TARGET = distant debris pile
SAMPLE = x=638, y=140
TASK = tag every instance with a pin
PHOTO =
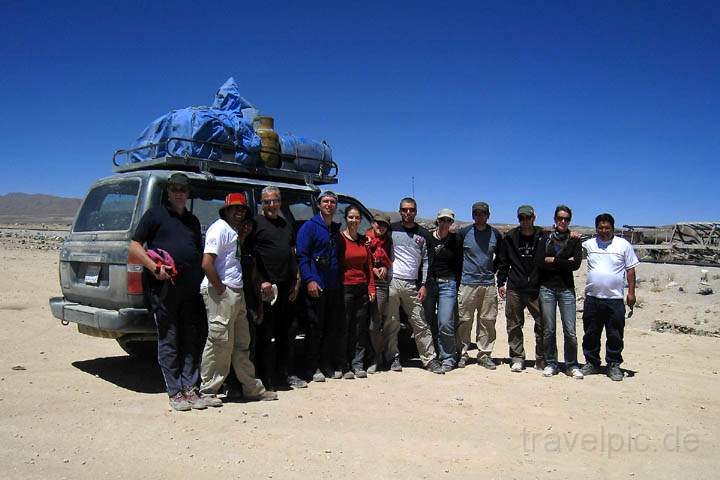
x=690, y=243
x=18, y=237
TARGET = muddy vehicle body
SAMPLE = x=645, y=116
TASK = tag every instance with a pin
x=101, y=282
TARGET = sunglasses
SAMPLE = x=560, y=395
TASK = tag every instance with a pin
x=408, y=209
x=445, y=219
x=178, y=189
x=562, y=219
x=524, y=217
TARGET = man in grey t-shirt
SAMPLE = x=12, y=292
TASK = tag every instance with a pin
x=480, y=244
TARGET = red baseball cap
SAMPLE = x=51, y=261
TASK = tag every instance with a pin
x=234, y=199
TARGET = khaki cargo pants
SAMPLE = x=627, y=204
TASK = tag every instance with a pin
x=405, y=293
x=483, y=301
x=228, y=342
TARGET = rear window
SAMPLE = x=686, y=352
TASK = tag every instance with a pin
x=108, y=207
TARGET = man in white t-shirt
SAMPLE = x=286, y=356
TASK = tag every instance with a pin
x=228, y=340
x=610, y=260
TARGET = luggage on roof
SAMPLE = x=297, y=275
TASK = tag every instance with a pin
x=223, y=138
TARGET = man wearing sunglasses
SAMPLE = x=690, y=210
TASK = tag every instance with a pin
x=518, y=268
x=176, y=306
x=408, y=288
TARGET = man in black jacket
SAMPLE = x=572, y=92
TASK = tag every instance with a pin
x=518, y=267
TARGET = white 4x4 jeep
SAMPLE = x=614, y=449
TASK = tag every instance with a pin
x=102, y=284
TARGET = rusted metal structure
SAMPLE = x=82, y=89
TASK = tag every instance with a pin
x=692, y=243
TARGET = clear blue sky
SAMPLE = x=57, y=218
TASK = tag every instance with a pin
x=606, y=106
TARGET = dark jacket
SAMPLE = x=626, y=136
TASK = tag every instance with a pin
x=559, y=274
x=512, y=269
x=317, y=252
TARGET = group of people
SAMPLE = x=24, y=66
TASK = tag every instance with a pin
x=351, y=286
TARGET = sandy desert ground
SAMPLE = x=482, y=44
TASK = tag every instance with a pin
x=77, y=407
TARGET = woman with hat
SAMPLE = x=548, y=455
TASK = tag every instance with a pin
x=442, y=286
x=379, y=244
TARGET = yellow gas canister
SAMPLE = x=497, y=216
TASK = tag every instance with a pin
x=269, y=141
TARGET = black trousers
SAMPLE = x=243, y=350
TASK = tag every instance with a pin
x=326, y=327
x=274, y=347
x=357, y=338
x=179, y=315
x=607, y=313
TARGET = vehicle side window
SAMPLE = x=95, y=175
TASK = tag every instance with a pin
x=297, y=207
x=340, y=215
x=108, y=207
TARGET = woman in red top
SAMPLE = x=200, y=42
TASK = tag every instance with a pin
x=359, y=287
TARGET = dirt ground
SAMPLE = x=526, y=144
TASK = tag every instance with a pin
x=77, y=407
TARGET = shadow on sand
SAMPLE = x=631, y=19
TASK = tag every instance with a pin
x=142, y=376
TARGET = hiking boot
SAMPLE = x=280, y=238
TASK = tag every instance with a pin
x=516, y=367
x=590, y=369
x=576, y=373
x=446, y=367
x=463, y=361
x=435, y=367
x=614, y=372
x=179, y=403
x=266, y=396
x=360, y=373
x=396, y=366
x=296, y=382
x=192, y=397
x=348, y=375
x=318, y=376
x=540, y=364
x=549, y=371
x=337, y=375
x=210, y=400
x=486, y=362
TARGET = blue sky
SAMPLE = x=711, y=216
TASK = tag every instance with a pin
x=604, y=106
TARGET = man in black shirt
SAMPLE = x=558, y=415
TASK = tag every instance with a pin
x=518, y=268
x=174, y=302
x=273, y=245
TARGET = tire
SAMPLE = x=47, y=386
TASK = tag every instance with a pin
x=140, y=349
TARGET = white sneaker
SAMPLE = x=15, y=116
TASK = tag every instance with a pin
x=549, y=371
x=576, y=373
x=516, y=367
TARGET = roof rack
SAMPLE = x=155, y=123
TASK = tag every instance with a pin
x=122, y=162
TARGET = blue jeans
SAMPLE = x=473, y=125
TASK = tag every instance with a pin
x=442, y=298
x=550, y=300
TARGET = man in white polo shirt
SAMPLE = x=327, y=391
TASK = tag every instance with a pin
x=610, y=260
x=228, y=340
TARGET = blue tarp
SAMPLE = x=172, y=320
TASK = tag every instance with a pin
x=223, y=123
x=306, y=153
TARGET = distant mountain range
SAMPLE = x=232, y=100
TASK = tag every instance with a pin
x=16, y=206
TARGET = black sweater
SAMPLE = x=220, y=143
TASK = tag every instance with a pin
x=559, y=273
x=512, y=269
